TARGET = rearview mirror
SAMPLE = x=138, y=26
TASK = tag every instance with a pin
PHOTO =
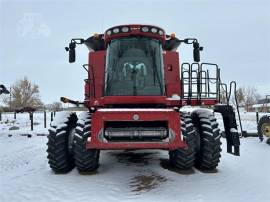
x=71, y=52
x=196, y=51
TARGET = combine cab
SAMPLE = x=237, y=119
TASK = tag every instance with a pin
x=134, y=93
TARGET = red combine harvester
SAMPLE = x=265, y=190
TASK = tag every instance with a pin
x=134, y=93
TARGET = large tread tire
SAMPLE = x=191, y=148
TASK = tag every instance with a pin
x=184, y=158
x=209, y=151
x=263, y=127
x=86, y=160
x=60, y=158
x=268, y=141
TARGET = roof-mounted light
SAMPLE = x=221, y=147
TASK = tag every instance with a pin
x=154, y=30
x=116, y=30
x=145, y=29
x=160, y=32
x=125, y=29
x=109, y=32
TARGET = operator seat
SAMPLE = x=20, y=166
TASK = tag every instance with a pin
x=132, y=60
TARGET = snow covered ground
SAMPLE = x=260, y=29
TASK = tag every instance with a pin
x=23, y=123
x=144, y=175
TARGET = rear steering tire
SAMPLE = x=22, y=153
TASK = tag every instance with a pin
x=209, y=152
x=86, y=160
x=184, y=158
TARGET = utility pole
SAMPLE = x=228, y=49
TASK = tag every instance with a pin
x=10, y=99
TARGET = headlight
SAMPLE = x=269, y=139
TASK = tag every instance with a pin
x=160, y=32
x=116, y=30
x=124, y=29
x=109, y=32
x=154, y=30
x=145, y=29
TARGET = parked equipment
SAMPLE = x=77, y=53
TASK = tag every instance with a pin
x=264, y=123
x=134, y=96
x=264, y=128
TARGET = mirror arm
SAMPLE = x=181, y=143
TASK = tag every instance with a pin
x=189, y=40
x=77, y=41
x=196, y=47
x=71, y=48
x=73, y=42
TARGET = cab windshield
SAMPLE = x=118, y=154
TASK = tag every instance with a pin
x=134, y=66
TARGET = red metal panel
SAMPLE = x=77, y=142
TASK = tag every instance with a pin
x=96, y=70
x=108, y=100
x=86, y=91
x=171, y=71
x=99, y=117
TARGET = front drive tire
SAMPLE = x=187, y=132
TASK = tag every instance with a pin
x=86, y=160
x=209, y=151
x=184, y=158
x=59, y=155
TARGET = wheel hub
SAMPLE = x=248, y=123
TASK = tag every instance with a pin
x=266, y=129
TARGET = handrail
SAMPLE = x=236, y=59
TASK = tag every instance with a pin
x=89, y=76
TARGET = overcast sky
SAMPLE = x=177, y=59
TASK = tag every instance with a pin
x=33, y=33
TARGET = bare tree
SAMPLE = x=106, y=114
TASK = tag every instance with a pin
x=240, y=93
x=240, y=96
x=24, y=94
x=246, y=97
x=223, y=96
x=251, y=97
x=55, y=106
